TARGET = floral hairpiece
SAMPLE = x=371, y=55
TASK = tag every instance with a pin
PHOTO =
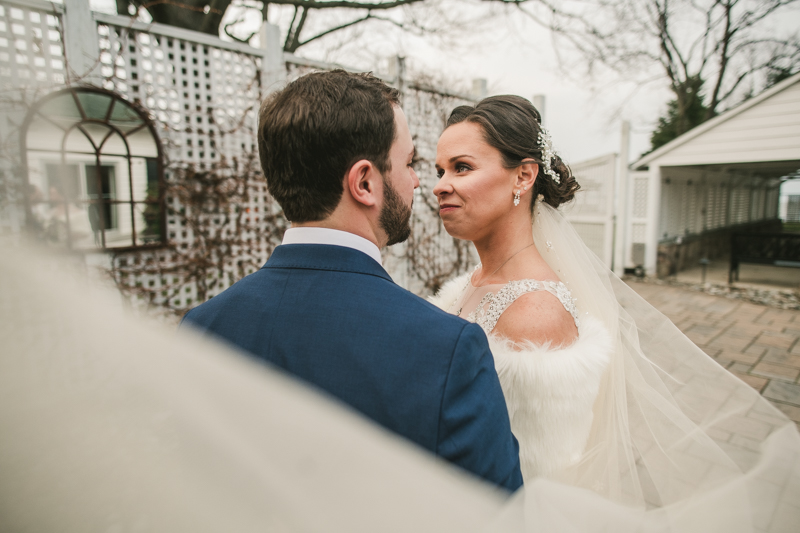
x=546, y=144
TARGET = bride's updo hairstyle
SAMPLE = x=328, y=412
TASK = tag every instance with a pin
x=512, y=125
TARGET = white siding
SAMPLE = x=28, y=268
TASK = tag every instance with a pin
x=767, y=131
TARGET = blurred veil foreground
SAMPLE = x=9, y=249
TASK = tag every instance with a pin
x=113, y=423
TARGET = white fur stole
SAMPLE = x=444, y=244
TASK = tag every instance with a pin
x=549, y=392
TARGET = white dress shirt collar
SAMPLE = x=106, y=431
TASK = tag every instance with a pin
x=336, y=237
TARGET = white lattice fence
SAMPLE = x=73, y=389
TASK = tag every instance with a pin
x=436, y=255
x=31, y=48
x=637, y=224
x=592, y=211
x=32, y=63
x=440, y=257
x=203, y=95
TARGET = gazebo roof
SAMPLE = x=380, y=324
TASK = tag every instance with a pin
x=765, y=128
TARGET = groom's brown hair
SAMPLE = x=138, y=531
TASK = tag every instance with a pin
x=315, y=129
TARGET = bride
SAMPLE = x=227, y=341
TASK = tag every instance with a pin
x=603, y=391
x=489, y=183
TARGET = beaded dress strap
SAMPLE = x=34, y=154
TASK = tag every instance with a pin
x=487, y=318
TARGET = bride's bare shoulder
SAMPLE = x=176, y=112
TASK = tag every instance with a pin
x=537, y=317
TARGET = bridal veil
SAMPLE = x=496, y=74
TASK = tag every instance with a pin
x=109, y=423
x=674, y=434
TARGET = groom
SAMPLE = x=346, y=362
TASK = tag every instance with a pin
x=337, y=154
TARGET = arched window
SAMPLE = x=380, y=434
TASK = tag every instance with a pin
x=95, y=172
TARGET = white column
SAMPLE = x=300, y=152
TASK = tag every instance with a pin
x=653, y=220
x=273, y=68
x=479, y=88
x=80, y=42
x=622, y=216
x=539, y=103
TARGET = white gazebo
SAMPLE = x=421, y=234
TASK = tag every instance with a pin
x=685, y=199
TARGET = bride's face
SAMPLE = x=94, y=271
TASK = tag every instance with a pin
x=475, y=192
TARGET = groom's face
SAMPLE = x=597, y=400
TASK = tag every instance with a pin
x=399, y=184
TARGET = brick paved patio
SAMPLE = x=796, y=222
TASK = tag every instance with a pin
x=759, y=344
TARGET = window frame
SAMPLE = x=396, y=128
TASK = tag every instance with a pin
x=98, y=162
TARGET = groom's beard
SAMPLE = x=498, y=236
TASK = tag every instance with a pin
x=395, y=216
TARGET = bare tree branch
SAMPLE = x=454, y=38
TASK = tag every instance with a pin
x=243, y=40
x=726, y=44
x=332, y=30
x=315, y=4
x=723, y=62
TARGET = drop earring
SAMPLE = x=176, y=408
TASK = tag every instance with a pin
x=516, y=198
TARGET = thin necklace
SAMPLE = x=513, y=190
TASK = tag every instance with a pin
x=467, y=297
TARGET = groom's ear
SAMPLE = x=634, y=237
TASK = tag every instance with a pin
x=361, y=182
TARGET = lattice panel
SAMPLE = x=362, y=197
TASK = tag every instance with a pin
x=773, y=197
x=638, y=232
x=427, y=114
x=640, y=197
x=205, y=98
x=793, y=208
x=593, y=236
x=711, y=201
x=596, y=182
x=721, y=206
x=690, y=217
x=757, y=204
x=738, y=206
x=31, y=48
x=670, y=208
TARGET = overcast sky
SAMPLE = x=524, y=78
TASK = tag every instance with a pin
x=515, y=56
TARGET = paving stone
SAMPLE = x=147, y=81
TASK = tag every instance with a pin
x=756, y=382
x=735, y=332
x=744, y=330
x=782, y=391
x=771, y=370
x=740, y=368
x=729, y=343
x=698, y=338
x=711, y=352
x=738, y=357
x=755, y=350
x=758, y=343
x=776, y=340
x=745, y=427
x=792, y=411
x=703, y=329
x=782, y=358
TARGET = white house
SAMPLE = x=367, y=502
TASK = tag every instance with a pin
x=722, y=176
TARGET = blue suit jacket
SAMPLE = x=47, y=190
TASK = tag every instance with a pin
x=332, y=316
